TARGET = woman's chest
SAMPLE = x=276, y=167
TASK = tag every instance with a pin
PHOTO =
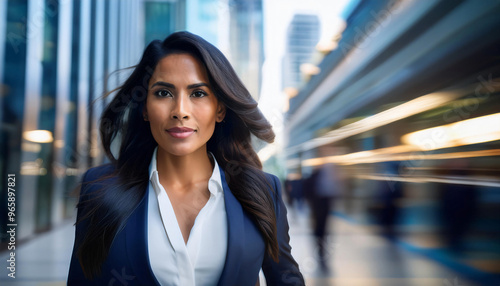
x=187, y=208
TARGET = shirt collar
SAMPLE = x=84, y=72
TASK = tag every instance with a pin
x=214, y=183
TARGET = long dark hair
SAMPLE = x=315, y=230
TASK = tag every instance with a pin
x=122, y=120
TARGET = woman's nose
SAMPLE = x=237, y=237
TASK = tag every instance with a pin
x=181, y=108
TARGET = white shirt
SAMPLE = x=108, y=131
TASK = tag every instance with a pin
x=201, y=260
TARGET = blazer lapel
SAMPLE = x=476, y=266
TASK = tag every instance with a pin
x=137, y=239
x=236, y=233
x=137, y=242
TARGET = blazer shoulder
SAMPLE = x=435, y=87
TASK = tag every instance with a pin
x=275, y=190
x=96, y=178
x=95, y=173
x=275, y=183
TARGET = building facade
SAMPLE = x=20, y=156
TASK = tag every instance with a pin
x=407, y=106
x=58, y=59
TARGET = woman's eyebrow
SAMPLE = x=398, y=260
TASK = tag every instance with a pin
x=196, y=85
x=162, y=83
x=169, y=85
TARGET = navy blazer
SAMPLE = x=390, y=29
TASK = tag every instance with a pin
x=128, y=261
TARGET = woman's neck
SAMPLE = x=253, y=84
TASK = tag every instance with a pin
x=183, y=172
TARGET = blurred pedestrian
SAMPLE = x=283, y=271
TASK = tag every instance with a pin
x=295, y=193
x=323, y=186
x=457, y=205
x=389, y=192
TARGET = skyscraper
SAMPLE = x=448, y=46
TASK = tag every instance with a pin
x=302, y=36
x=247, y=42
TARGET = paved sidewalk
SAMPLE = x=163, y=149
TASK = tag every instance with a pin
x=357, y=257
x=42, y=261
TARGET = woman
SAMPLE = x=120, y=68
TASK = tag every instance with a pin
x=185, y=202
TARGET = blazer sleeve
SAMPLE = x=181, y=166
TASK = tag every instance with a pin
x=75, y=275
x=286, y=271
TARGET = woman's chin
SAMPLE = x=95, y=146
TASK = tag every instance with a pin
x=181, y=151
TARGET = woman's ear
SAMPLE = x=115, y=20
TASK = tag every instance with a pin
x=221, y=112
x=145, y=114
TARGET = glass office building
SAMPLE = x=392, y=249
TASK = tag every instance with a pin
x=247, y=42
x=58, y=59
x=406, y=112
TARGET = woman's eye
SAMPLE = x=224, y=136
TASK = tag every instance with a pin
x=199, y=93
x=163, y=93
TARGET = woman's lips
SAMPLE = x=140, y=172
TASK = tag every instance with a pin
x=180, y=132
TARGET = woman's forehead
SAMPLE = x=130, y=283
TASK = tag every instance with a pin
x=180, y=66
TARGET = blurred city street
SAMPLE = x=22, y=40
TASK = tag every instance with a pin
x=357, y=256
x=385, y=117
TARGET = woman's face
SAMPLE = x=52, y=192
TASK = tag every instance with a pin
x=181, y=108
